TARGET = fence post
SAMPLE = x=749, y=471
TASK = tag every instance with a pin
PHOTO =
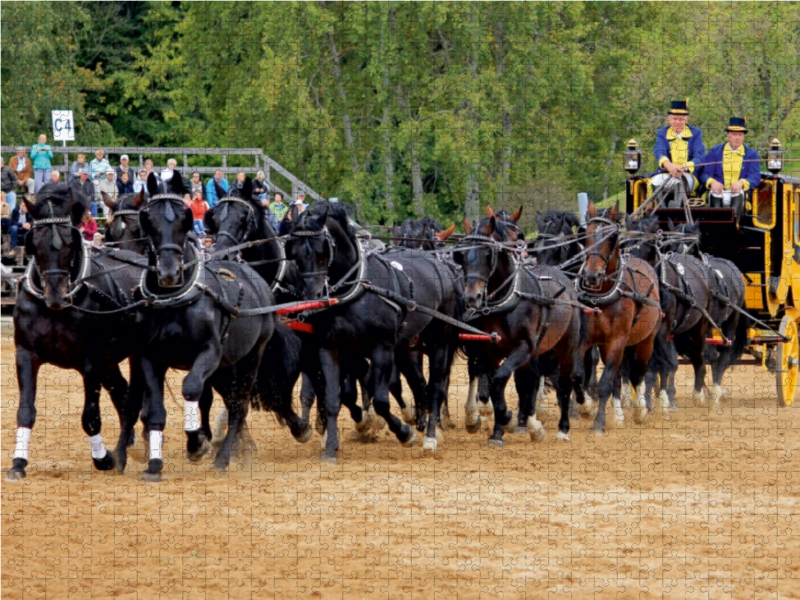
x=185, y=162
x=141, y=161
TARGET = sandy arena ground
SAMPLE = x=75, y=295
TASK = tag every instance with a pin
x=702, y=503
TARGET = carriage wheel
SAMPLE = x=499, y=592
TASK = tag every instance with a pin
x=787, y=362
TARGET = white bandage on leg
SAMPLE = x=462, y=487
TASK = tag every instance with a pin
x=191, y=416
x=156, y=439
x=23, y=441
x=96, y=444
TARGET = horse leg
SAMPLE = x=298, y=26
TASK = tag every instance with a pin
x=355, y=372
x=697, y=358
x=153, y=375
x=527, y=380
x=472, y=417
x=331, y=371
x=396, y=390
x=412, y=371
x=612, y=358
x=28, y=364
x=117, y=388
x=382, y=364
x=639, y=360
x=484, y=396
x=90, y=418
x=582, y=382
x=502, y=417
x=204, y=365
x=436, y=392
x=136, y=406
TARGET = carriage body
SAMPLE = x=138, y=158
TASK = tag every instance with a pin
x=765, y=245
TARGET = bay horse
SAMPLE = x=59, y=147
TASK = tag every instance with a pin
x=382, y=314
x=59, y=320
x=193, y=322
x=726, y=284
x=625, y=292
x=531, y=310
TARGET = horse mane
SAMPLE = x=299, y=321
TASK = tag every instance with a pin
x=126, y=202
x=335, y=209
x=503, y=228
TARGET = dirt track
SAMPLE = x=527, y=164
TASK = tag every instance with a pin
x=699, y=503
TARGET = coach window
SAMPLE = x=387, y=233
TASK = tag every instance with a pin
x=764, y=205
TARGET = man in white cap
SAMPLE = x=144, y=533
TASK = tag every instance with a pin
x=124, y=167
x=107, y=185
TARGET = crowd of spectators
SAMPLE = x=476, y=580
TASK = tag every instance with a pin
x=28, y=174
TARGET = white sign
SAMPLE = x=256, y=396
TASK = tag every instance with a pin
x=63, y=126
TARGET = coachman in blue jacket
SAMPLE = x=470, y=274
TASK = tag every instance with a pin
x=678, y=147
x=733, y=172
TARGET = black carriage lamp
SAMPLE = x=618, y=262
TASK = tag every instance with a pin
x=775, y=157
x=632, y=159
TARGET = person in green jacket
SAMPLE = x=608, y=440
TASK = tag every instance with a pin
x=41, y=153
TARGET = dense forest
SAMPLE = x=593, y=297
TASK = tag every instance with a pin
x=406, y=108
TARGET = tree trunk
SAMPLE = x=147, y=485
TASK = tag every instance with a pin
x=337, y=76
x=609, y=163
x=472, y=204
x=388, y=165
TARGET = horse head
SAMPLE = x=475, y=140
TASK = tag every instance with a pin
x=167, y=222
x=645, y=247
x=236, y=218
x=55, y=241
x=602, y=245
x=123, y=225
x=482, y=259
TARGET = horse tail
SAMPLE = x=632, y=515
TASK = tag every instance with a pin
x=663, y=358
x=279, y=370
x=740, y=337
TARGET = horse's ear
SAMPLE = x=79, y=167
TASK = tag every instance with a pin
x=30, y=249
x=188, y=220
x=221, y=193
x=491, y=226
x=138, y=200
x=516, y=215
x=152, y=184
x=468, y=228
x=591, y=212
x=210, y=222
x=145, y=223
x=489, y=211
x=443, y=235
x=108, y=201
x=29, y=205
x=613, y=214
x=295, y=214
x=247, y=188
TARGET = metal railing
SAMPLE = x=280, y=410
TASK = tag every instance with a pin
x=262, y=162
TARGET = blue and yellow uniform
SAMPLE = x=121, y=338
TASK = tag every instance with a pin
x=686, y=148
x=728, y=166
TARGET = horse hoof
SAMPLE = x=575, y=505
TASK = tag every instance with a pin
x=672, y=408
x=430, y=443
x=619, y=417
x=120, y=461
x=366, y=421
x=328, y=460
x=15, y=474
x=151, y=477
x=486, y=408
x=717, y=394
x=537, y=435
x=521, y=429
x=664, y=397
x=641, y=415
x=535, y=429
x=510, y=427
x=494, y=443
x=305, y=436
x=699, y=398
x=378, y=422
x=586, y=409
x=562, y=436
x=104, y=464
x=198, y=454
x=409, y=414
x=599, y=433
x=473, y=424
x=412, y=439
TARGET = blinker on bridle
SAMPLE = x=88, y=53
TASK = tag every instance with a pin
x=170, y=215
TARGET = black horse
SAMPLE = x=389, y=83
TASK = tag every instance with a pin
x=194, y=322
x=686, y=300
x=58, y=317
x=122, y=228
x=530, y=308
x=381, y=316
x=726, y=284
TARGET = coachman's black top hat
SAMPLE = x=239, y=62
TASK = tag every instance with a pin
x=679, y=107
x=737, y=124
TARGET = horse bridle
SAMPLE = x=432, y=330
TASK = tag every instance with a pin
x=605, y=259
x=250, y=220
x=170, y=216
x=328, y=240
x=58, y=243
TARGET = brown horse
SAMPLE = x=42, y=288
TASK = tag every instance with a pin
x=625, y=292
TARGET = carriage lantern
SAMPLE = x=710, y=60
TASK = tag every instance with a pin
x=775, y=157
x=632, y=159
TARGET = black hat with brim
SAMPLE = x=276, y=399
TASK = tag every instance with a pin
x=679, y=107
x=737, y=124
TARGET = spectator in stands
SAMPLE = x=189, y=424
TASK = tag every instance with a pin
x=83, y=184
x=124, y=167
x=167, y=173
x=240, y=177
x=269, y=215
x=77, y=166
x=301, y=196
x=41, y=153
x=107, y=185
x=199, y=208
x=286, y=222
x=260, y=188
x=5, y=213
x=148, y=166
x=211, y=191
x=21, y=222
x=279, y=207
x=8, y=184
x=98, y=167
x=23, y=170
x=88, y=226
x=187, y=200
x=124, y=183
x=141, y=183
x=196, y=183
x=55, y=177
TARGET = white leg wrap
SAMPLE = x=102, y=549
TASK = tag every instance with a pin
x=626, y=395
x=640, y=412
x=23, y=441
x=156, y=440
x=191, y=415
x=717, y=393
x=699, y=397
x=96, y=444
x=587, y=406
x=619, y=416
x=664, y=398
x=430, y=444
